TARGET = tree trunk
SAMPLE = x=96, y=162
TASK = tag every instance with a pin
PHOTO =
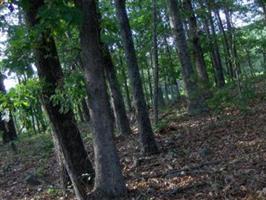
x=33, y=124
x=11, y=127
x=196, y=102
x=218, y=68
x=196, y=46
x=109, y=181
x=65, y=179
x=80, y=113
x=119, y=106
x=5, y=136
x=226, y=46
x=147, y=138
x=155, y=63
x=128, y=99
x=232, y=42
x=85, y=110
x=252, y=72
x=150, y=76
x=9, y=131
x=65, y=130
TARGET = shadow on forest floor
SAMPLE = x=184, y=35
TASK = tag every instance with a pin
x=222, y=156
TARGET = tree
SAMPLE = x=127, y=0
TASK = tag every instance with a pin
x=213, y=43
x=109, y=181
x=155, y=63
x=262, y=4
x=65, y=130
x=119, y=105
x=147, y=137
x=226, y=45
x=8, y=128
x=196, y=102
x=201, y=67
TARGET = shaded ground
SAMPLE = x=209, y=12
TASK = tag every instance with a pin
x=218, y=156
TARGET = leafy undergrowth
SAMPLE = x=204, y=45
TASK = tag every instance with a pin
x=215, y=156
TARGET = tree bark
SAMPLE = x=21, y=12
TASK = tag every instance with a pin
x=126, y=88
x=217, y=62
x=5, y=137
x=228, y=59
x=232, y=42
x=155, y=63
x=64, y=125
x=119, y=105
x=196, y=46
x=149, y=64
x=109, y=181
x=85, y=110
x=149, y=145
x=65, y=180
x=196, y=102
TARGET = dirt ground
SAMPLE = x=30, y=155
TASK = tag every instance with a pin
x=215, y=156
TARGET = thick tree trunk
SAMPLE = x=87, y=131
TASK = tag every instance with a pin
x=119, y=105
x=147, y=138
x=196, y=46
x=109, y=181
x=196, y=102
x=65, y=130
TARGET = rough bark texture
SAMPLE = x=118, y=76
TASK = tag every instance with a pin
x=119, y=105
x=147, y=138
x=196, y=102
x=109, y=181
x=65, y=130
x=197, y=50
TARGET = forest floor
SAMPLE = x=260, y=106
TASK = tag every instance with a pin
x=214, y=156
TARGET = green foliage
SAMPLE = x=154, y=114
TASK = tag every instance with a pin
x=18, y=52
x=71, y=93
x=22, y=96
x=53, y=192
x=24, y=101
x=230, y=97
x=32, y=145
